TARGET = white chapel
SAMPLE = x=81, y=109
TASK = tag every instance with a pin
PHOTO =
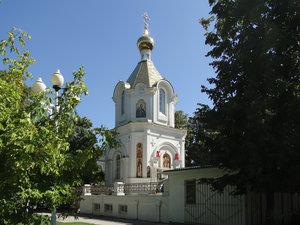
x=144, y=119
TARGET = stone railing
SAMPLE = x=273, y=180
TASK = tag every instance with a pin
x=143, y=188
x=97, y=190
x=120, y=188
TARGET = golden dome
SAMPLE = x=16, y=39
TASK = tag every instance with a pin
x=145, y=41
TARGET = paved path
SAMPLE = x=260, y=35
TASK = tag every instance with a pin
x=101, y=220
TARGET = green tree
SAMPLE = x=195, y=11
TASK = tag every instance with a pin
x=197, y=151
x=181, y=120
x=35, y=158
x=85, y=138
x=254, y=124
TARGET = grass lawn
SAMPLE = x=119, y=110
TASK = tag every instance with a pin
x=75, y=223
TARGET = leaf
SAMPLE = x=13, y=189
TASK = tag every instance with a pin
x=21, y=39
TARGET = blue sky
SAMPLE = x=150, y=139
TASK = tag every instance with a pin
x=101, y=35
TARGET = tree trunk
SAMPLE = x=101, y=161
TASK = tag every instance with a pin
x=269, y=207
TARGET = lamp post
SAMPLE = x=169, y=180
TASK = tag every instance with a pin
x=57, y=81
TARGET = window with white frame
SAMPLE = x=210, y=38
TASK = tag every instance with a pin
x=108, y=208
x=96, y=207
x=190, y=192
x=162, y=101
x=122, y=209
x=122, y=102
x=118, y=165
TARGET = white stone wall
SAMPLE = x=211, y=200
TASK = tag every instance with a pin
x=177, y=189
x=150, y=208
x=167, y=207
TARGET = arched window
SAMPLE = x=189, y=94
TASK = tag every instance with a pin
x=166, y=161
x=123, y=103
x=118, y=166
x=162, y=101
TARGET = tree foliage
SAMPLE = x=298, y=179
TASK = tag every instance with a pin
x=86, y=138
x=197, y=151
x=37, y=164
x=254, y=124
x=182, y=122
x=181, y=119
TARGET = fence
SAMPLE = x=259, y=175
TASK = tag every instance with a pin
x=215, y=208
x=286, y=208
x=120, y=188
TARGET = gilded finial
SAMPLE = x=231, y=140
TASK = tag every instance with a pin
x=146, y=19
x=145, y=41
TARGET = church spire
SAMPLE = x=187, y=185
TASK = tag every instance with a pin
x=145, y=43
x=145, y=72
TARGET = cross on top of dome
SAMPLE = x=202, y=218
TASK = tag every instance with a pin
x=146, y=19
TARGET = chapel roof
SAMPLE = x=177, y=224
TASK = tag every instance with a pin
x=146, y=73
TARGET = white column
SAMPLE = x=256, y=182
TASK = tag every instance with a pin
x=153, y=174
x=182, y=154
x=119, y=188
x=87, y=190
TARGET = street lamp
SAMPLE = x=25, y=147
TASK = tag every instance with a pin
x=57, y=81
x=39, y=86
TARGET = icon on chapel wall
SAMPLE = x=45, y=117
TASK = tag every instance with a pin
x=139, y=151
x=141, y=109
x=166, y=161
x=139, y=158
x=176, y=156
x=139, y=168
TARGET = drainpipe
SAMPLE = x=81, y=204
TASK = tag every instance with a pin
x=158, y=206
x=92, y=206
x=137, y=209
